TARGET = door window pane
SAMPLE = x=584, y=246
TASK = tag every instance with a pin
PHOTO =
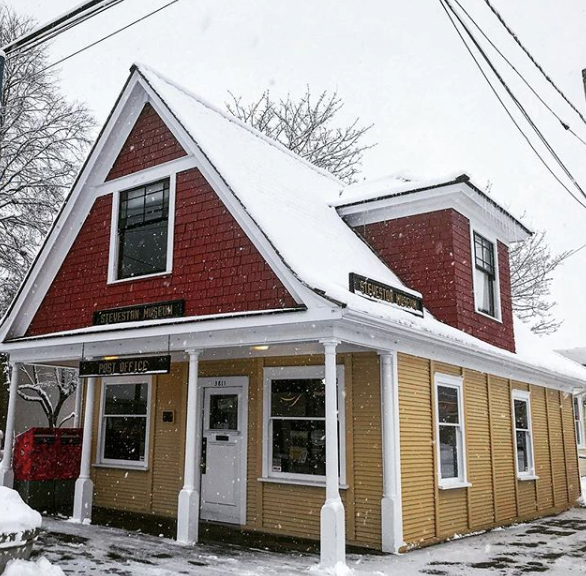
x=223, y=412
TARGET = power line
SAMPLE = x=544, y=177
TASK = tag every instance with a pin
x=59, y=25
x=448, y=8
x=564, y=124
x=110, y=35
x=532, y=58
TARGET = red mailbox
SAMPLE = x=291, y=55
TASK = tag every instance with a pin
x=48, y=454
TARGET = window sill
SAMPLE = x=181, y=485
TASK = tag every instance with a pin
x=453, y=485
x=295, y=482
x=523, y=477
x=139, y=278
x=121, y=466
x=485, y=315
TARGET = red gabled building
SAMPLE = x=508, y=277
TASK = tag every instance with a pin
x=264, y=346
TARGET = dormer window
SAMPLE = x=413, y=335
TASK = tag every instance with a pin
x=485, y=285
x=143, y=231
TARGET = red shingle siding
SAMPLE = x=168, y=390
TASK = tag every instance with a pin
x=432, y=254
x=216, y=268
x=149, y=144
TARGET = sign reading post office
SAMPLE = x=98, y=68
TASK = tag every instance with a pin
x=141, y=365
x=385, y=293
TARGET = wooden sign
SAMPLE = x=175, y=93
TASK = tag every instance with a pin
x=125, y=366
x=385, y=293
x=140, y=313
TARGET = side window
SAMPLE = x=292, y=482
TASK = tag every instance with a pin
x=485, y=286
x=294, y=422
x=142, y=231
x=124, y=423
x=579, y=420
x=523, y=434
x=450, y=431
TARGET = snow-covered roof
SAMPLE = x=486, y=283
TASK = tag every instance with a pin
x=286, y=196
x=577, y=354
x=293, y=203
x=456, y=190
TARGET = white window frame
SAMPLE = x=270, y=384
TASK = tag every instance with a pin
x=300, y=372
x=523, y=396
x=497, y=284
x=149, y=178
x=127, y=464
x=581, y=441
x=457, y=383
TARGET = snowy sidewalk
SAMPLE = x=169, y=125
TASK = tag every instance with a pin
x=554, y=545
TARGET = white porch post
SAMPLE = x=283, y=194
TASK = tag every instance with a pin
x=188, y=510
x=333, y=526
x=391, y=507
x=78, y=402
x=84, y=487
x=6, y=472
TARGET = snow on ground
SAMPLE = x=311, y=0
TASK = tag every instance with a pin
x=555, y=545
x=42, y=567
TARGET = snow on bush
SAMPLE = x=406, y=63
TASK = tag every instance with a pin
x=42, y=567
x=15, y=515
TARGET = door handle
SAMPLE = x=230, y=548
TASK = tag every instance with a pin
x=204, y=454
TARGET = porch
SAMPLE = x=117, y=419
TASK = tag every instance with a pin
x=201, y=462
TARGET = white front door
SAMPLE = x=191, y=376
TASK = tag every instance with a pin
x=223, y=480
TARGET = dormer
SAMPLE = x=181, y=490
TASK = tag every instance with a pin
x=448, y=240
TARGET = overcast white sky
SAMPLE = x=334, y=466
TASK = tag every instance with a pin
x=398, y=65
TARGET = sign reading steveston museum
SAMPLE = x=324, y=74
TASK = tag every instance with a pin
x=125, y=366
x=140, y=313
x=379, y=291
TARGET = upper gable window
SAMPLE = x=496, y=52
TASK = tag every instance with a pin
x=485, y=279
x=143, y=230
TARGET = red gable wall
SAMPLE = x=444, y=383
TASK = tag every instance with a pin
x=150, y=143
x=216, y=268
x=431, y=253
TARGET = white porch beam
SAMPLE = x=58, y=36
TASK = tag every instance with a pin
x=391, y=505
x=84, y=487
x=188, y=509
x=6, y=471
x=333, y=526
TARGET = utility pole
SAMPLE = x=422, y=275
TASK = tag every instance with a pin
x=69, y=19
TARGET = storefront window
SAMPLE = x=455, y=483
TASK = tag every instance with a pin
x=124, y=422
x=452, y=469
x=523, y=438
x=295, y=423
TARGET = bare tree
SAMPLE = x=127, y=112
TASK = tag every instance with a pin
x=41, y=386
x=532, y=266
x=43, y=139
x=307, y=126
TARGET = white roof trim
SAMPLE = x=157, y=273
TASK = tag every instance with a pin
x=460, y=195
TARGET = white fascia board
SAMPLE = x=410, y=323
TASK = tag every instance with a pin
x=459, y=196
x=365, y=330
x=281, y=327
x=296, y=287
